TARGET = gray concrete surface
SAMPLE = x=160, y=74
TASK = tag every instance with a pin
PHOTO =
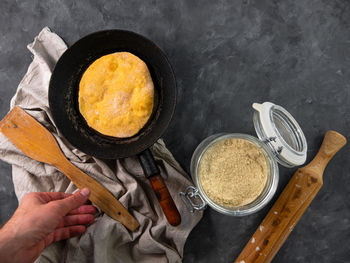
x=226, y=55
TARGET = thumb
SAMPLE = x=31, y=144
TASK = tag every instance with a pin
x=73, y=201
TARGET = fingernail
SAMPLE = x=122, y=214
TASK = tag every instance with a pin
x=85, y=192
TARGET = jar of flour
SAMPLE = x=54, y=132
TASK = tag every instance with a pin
x=237, y=174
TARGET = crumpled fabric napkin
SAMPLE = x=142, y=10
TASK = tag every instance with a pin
x=106, y=240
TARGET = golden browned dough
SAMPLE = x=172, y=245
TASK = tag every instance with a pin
x=116, y=95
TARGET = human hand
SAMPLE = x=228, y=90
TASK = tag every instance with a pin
x=43, y=218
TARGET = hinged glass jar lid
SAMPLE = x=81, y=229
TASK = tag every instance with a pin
x=277, y=127
x=280, y=139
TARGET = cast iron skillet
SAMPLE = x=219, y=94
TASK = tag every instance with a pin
x=63, y=101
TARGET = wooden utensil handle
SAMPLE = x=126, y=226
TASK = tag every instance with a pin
x=100, y=196
x=165, y=200
x=332, y=143
x=152, y=172
x=290, y=206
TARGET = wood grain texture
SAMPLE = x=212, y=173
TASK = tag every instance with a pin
x=292, y=203
x=165, y=200
x=38, y=143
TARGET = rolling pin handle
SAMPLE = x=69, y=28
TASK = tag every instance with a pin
x=332, y=143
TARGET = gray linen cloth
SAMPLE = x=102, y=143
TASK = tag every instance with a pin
x=106, y=240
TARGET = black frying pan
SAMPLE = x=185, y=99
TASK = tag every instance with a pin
x=63, y=101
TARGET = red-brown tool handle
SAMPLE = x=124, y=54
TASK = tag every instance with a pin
x=152, y=172
x=165, y=200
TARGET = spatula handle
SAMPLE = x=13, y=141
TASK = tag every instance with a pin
x=166, y=202
x=100, y=196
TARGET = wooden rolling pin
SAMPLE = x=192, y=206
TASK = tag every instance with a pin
x=291, y=205
x=39, y=144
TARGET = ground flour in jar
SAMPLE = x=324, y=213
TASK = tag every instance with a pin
x=233, y=172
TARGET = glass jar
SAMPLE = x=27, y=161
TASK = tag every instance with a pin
x=280, y=139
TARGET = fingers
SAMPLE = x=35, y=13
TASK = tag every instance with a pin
x=84, y=209
x=64, y=233
x=72, y=220
x=43, y=197
x=68, y=232
x=52, y=196
x=64, y=206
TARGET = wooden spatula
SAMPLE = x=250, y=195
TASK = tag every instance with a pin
x=291, y=204
x=39, y=144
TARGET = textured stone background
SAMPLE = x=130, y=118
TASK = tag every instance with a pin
x=226, y=55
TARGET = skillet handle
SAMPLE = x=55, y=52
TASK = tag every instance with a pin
x=152, y=172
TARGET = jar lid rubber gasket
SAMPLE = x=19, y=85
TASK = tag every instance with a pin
x=281, y=132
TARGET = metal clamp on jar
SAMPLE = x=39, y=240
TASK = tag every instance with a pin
x=280, y=139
